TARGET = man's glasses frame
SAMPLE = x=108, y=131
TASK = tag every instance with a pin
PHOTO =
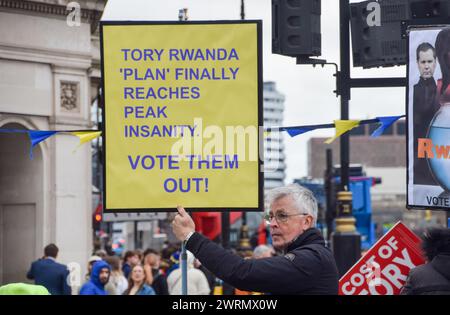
x=280, y=217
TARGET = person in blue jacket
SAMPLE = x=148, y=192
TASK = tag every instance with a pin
x=99, y=277
x=136, y=283
x=49, y=273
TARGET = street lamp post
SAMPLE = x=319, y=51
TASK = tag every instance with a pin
x=345, y=240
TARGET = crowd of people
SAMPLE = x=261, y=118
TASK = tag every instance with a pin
x=148, y=272
x=138, y=272
x=302, y=263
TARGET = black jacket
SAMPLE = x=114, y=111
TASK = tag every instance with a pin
x=159, y=283
x=425, y=107
x=429, y=279
x=307, y=268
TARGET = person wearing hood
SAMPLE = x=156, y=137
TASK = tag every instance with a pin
x=307, y=266
x=101, y=271
x=92, y=260
x=432, y=278
x=197, y=283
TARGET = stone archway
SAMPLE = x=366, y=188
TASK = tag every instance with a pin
x=21, y=200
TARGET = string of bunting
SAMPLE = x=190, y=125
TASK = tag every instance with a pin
x=341, y=126
x=37, y=136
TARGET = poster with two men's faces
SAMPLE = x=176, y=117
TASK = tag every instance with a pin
x=428, y=111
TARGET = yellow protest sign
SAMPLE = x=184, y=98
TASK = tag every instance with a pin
x=181, y=115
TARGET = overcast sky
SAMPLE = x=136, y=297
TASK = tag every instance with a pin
x=309, y=91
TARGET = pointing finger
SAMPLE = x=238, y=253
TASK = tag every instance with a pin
x=181, y=211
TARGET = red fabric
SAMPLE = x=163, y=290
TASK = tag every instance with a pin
x=445, y=98
x=210, y=223
x=262, y=235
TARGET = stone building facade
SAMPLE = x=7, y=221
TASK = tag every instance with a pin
x=50, y=75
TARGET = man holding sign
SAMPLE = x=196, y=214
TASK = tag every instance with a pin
x=307, y=267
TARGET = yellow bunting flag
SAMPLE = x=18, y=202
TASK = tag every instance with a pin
x=85, y=136
x=342, y=126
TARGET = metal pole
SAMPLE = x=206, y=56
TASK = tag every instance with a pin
x=345, y=87
x=244, y=244
x=182, y=16
x=329, y=193
x=135, y=235
x=99, y=149
x=244, y=218
x=346, y=241
x=183, y=269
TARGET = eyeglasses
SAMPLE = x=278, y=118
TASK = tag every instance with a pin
x=280, y=217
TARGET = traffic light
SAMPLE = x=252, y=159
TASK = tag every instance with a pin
x=384, y=45
x=378, y=45
x=97, y=218
x=296, y=27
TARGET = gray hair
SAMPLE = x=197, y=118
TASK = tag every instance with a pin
x=304, y=199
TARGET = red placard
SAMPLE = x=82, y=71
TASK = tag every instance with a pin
x=384, y=268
